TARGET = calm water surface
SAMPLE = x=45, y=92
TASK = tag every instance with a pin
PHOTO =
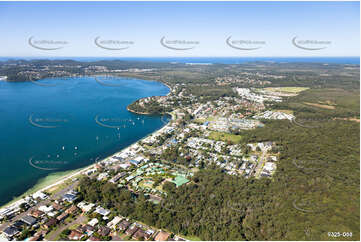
x=67, y=123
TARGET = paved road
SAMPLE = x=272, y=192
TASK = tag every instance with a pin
x=260, y=164
x=53, y=235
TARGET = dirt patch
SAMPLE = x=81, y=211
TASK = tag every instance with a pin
x=328, y=102
x=354, y=119
x=320, y=105
x=284, y=111
x=350, y=119
x=286, y=89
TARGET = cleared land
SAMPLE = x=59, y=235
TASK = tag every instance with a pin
x=284, y=111
x=320, y=105
x=286, y=89
x=202, y=120
x=350, y=119
x=225, y=137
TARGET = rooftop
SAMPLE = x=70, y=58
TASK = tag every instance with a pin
x=180, y=180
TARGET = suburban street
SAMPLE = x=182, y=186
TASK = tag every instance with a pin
x=41, y=203
x=260, y=164
x=54, y=235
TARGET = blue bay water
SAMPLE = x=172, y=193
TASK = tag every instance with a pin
x=67, y=123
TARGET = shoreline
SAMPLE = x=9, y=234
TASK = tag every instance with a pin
x=142, y=113
x=38, y=187
x=69, y=174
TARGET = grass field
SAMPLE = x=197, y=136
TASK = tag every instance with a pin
x=211, y=118
x=202, y=120
x=199, y=120
x=148, y=184
x=58, y=188
x=284, y=111
x=286, y=89
x=225, y=137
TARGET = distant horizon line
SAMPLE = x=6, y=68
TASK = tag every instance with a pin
x=179, y=56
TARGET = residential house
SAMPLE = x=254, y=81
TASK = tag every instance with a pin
x=29, y=220
x=88, y=229
x=131, y=230
x=114, y=222
x=103, y=231
x=139, y=234
x=37, y=213
x=75, y=235
x=85, y=207
x=18, y=224
x=11, y=231
x=102, y=211
x=162, y=236
x=57, y=206
x=38, y=236
x=93, y=222
x=35, y=238
x=69, y=197
x=80, y=229
x=124, y=225
x=50, y=223
x=93, y=238
x=71, y=210
x=40, y=195
x=148, y=234
x=46, y=209
x=62, y=217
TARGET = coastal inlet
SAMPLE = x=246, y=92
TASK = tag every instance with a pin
x=68, y=125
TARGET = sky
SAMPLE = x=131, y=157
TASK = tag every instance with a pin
x=264, y=29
